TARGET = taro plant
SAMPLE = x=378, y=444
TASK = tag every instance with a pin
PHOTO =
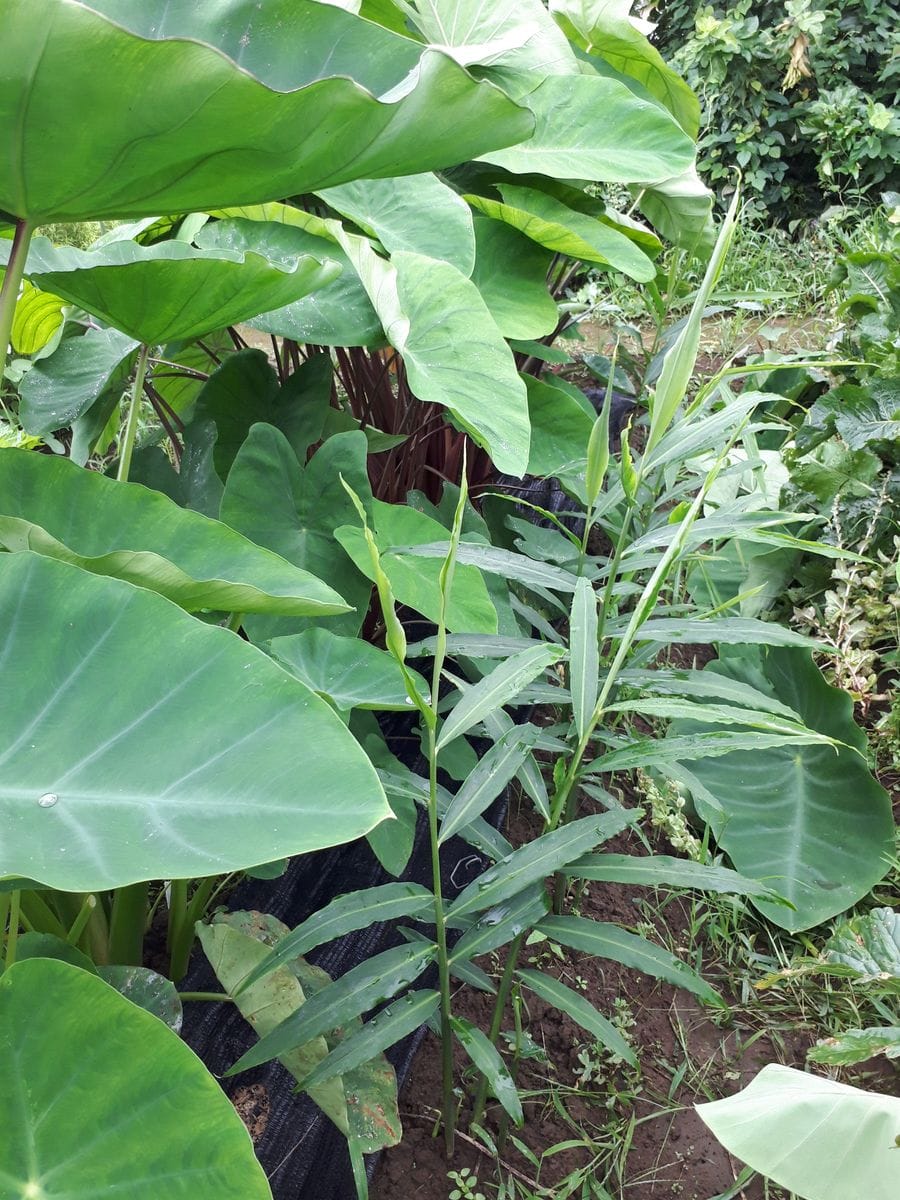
x=491, y=243
x=819, y=1138
x=116, y=1127
x=150, y=749
x=159, y=291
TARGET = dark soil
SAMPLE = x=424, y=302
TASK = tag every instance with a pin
x=640, y=1136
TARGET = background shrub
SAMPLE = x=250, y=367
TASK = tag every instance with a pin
x=801, y=95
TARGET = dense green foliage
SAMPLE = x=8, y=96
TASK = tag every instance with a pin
x=800, y=94
x=211, y=554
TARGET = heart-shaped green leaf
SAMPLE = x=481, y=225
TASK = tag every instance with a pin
x=129, y=756
x=808, y=820
x=58, y=389
x=606, y=28
x=171, y=291
x=75, y=1124
x=415, y=212
x=816, y=1137
x=429, y=309
x=339, y=314
x=857, y=1045
x=245, y=391
x=554, y=225
x=117, y=109
x=146, y=989
x=38, y=318
x=125, y=530
x=511, y=274
x=293, y=510
x=592, y=127
x=348, y=671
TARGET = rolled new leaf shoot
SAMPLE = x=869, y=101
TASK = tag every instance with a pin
x=598, y=449
x=678, y=365
x=584, y=655
x=395, y=634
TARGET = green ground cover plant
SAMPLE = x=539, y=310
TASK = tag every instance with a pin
x=210, y=553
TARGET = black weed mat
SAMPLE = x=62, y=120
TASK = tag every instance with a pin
x=303, y=1154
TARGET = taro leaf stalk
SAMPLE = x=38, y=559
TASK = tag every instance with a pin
x=12, y=282
x=134, y=409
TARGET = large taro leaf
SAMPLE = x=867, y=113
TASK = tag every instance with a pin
x=57, y=390
x=681, y=210
x=516, y=35
x=171, y=291
x=38, y=320
x=140, y=985
x=594, y=127
x=511, y=274
x=195, y=484
x=416, y=212
x=415, y=579
x=119, y=109
x=245, y=391
x=347, y=671
x=453, y=352
x=49, y=505
x=561, y=429
x=339, y=314
x=362, y=1103
x=605, y=28
x=546, y=220
x=808, y=820
x=816, y=1137
x=99, y=1098
x=146, y=989
x=143, y=744
x=293, y=510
